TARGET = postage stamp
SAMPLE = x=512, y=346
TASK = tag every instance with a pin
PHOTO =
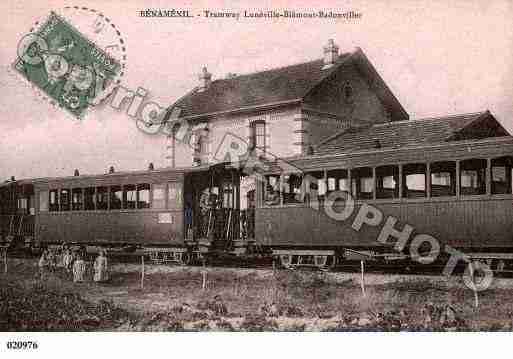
x=65, y=65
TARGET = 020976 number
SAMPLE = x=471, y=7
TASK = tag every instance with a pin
x=22, y=345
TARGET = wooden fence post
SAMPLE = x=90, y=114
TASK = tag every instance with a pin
x=204, y=277
x=142, y=271
x=476, y=296
x=362, y=268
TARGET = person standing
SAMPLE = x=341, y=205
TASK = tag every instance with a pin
x=79, y=268
x=67, y=260
x=101, y=273
x=188, y=221
x=43, y=265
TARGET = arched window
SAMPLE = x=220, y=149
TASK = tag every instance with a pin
x=258, y=135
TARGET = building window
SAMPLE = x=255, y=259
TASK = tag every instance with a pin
x=116, y=197
x=443, y=179
x=257, y=139
x=348, y=93
x=76, y=199
x=502, y=175
x=473, y=177
x=143, y=195
x=200, y=146
x=414, y=180
x=129, y=196
x=387, y=182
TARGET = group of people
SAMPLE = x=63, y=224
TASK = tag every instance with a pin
x=73, y=262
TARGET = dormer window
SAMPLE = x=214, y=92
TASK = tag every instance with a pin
x=258, y=135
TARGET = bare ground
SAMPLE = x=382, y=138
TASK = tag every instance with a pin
x=173, y=299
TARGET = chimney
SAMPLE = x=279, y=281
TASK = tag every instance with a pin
x=330, y=54
x=111, y=169
x=205, y=79
x=76, y=173
x=151, y=167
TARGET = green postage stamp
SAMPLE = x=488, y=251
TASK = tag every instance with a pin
x=71, y=70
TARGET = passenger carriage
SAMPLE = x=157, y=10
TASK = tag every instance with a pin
x=449, y=178
x=158, y=211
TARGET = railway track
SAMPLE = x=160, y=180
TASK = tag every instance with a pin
x=266, y=263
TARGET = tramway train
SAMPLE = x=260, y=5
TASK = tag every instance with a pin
x=457, y=190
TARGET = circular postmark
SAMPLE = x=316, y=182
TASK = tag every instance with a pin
x=75, y=58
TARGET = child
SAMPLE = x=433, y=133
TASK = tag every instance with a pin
x=43, y=265
x=101, y=273
x=67, y=260
x=79, y=268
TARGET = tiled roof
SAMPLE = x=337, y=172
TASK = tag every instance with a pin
x=272, y=86
x=412, y=133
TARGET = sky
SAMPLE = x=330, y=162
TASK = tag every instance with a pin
x=437, y=57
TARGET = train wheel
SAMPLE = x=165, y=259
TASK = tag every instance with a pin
x=501, y=265
x=186, y=259
x=320, y=261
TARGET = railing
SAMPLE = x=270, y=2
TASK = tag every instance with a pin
x=16, y=225
x=225, y=224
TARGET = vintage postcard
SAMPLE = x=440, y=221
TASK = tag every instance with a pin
x=232, y=166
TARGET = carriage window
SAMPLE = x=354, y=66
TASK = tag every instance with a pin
x=502, y=175
x=175, y=196
x=159, y=196
x=116, y=197
x=292, y=189
x=102, y=198
x=43, y=201
x=65, y=199
x=76, y=199
x=387, y=182
x=443, y=179
x=338, y=180
x=362, y=182
x=272, y=190
x=473, y=177
x=414, y=180
x=143, y=195
x=227, y=198
x=54, y=200
x=316, y=186
x=22, y=205
x=129, y=196
x=89, y=198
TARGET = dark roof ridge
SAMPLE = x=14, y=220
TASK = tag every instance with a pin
x=448, y=117
x=342, y=55
x=343, y=131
